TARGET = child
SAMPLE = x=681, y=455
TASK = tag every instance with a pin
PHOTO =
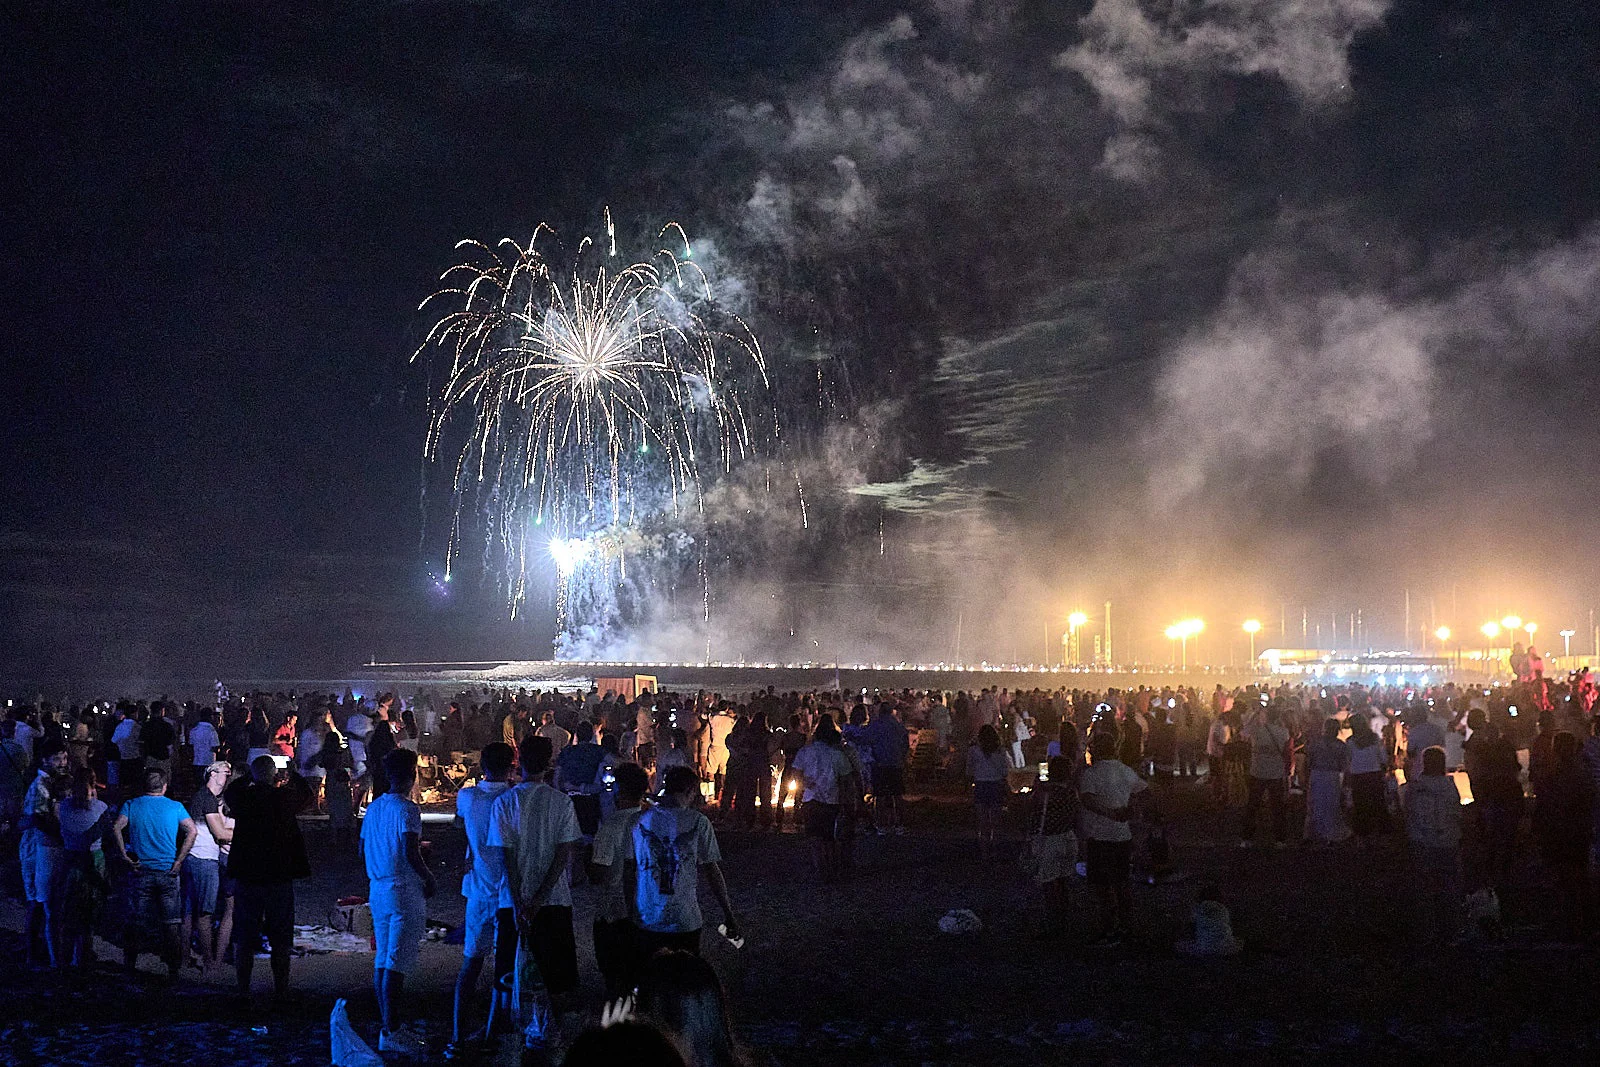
x=1056, y=843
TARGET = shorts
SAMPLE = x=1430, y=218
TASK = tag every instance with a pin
x=201, y=880
x=44, y=869
x=1109, y=862
x=821, y=819
x=153, y=900
x=1057, y=856
x=265, y=909
x=888, y=781
x=987, y=794
x=399, y=919
x=554, y=948
x=482, y=922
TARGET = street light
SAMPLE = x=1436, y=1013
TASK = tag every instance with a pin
x=1075, y=620
x=1491, y=630
x=1252, y=627
x=1512, y=622
x=1442, y=633
x=1181, y=632
x=1531, y=629
x=1566, y=642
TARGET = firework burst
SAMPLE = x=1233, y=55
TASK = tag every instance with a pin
x=585, y=397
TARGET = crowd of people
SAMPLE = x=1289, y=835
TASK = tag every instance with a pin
x=615, y=790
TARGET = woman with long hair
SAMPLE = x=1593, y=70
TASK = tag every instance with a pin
x=987, y=764
x=1327, y=760
x=1369, y=812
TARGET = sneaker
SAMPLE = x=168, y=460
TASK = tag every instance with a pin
x=402, y=1043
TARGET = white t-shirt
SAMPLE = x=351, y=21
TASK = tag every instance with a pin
x=486, y=878
x=389, y=818
x=821, y=766
x=672, y=757
x=669, y=845
x=559, y=739
x=26, y=734
x=357, y=728
x=531, y=822
x=76, y=824
x=203, y=736
x=1266, y=750
x=126, y=738
x=1113, y=784
x=611, y=848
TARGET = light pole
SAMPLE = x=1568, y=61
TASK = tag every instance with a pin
x=1075, y=620
x=1443, y=634
x=1252, y=627
x=1530, y=629
x=1566, y=643
x=1181, y=632
x=1491, y=630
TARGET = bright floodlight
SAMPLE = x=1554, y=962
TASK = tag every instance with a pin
x=1569, y=633
x=1442, y=633
x=1491, y=629
x=1252, y=626
x=1512, y=622
x=1192, y=627
x=1076, y=619
x=1532, y=628
x=569, y=553
x=1174, y=632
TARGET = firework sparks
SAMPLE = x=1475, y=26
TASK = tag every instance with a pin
x=593, y=395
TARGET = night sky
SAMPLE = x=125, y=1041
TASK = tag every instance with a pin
x=1207, y=313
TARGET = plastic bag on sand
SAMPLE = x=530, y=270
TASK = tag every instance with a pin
x=348, y=1048
x=960, y=921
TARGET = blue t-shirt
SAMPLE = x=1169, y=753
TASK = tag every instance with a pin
x=153, y=830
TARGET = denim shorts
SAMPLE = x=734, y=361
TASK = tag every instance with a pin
x=201, y=879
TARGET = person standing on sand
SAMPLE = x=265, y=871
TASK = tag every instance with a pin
x=535, y=829
x=161, y=833
x=489, y=926
x=1107, y=790
x=399, y=885
x=267, y=855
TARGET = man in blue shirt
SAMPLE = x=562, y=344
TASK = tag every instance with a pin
x=153, y=834
x=890, y=744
